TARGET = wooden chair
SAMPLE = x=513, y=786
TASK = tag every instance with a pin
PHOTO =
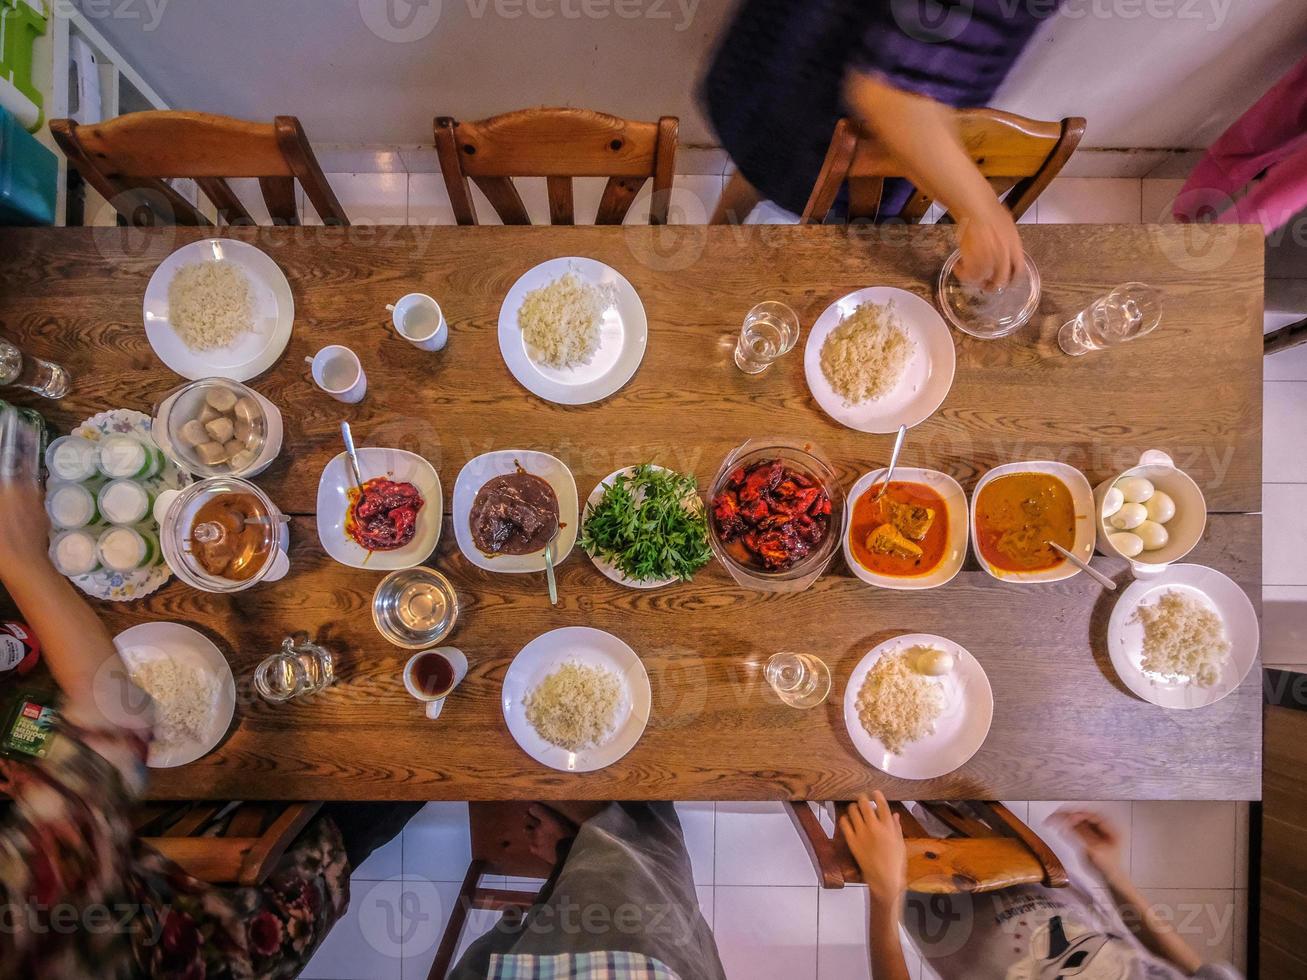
x=224, y=843
x=992, y=850
x=557, y=144
x=1018, y=156
x=128, y=158
x=499, y=847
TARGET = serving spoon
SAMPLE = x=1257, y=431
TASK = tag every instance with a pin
x=351, y=455
x=1083, y=565
x=893, y=462
x=549, y=565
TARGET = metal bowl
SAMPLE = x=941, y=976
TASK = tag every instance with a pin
x=415, y=608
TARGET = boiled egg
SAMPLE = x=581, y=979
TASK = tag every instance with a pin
x=1135, y=489
x=1129, y=517
x=1112, y=502
x=1160, y=507
x=1152, y=534
x=934, y=663
x=1126, y=543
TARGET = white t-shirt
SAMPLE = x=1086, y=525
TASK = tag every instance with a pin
x=1030, y=932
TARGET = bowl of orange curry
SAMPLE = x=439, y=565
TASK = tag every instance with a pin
x=913, y=536
x=1019, y=509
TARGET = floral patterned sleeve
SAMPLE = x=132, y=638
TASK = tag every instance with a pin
x=65, y=857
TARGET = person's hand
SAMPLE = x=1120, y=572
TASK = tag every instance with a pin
x=876, y=841
x=1099, y=838
x=990, y=246
x=26, y=527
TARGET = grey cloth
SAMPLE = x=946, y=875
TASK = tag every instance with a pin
x=626, y=885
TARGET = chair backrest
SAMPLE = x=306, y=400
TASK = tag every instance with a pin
x=1018, y=156
x=557, y=144
x=224, y=844
x=992, y=849
x=127, y=159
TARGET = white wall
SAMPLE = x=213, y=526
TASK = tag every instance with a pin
x=1146, y=73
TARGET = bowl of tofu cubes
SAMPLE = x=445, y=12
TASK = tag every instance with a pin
x=218, y=427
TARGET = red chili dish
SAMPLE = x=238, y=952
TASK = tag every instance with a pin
x=383, y=514
x=771, y=514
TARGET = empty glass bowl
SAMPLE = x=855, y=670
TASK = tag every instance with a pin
x=988, y=315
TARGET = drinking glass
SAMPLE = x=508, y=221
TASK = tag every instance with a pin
x=1126, y=313
x=799, y=679
x=770, y=330
x=299, y=667
x=21, y=370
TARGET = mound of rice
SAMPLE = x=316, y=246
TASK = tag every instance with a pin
x=1184, y=639
x=896, y=704
x=866, y=355
x=560, y=321
x=210, y=305
x=182, y=695
x=575, y=707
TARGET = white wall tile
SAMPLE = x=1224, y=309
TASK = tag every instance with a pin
x=368, y=199
x=1183, y=844
x=431, y=904
x=767, y=933
x=1091, y=200
x=698, y=821
x=1068, y=850
x=368, y=942
x=706, y=895
x=247, y=190
x=842, y=940
x=1284, y=553
x=757, y=844
x=428, y=201
x=1019, y=807
x=1157, y=195
x=1204, y=917
x=386, y=862
x=437, y=844
x=1287, y=365
x=1284, y=422
x=1284, y=625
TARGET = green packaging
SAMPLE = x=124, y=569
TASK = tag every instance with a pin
x=29, y=726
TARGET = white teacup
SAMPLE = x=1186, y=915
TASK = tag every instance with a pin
x=338, y=371
x=419, y=320
x=431, y=682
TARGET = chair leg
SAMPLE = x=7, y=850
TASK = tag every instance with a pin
x=457, y=919
x=1284, y=338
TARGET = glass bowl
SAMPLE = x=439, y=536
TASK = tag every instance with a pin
x=803, y=456
x=988, y=315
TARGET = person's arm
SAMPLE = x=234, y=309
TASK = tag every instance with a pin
x=1102, y=847
x=922, y=134
x=75, y=645
x=876, y=842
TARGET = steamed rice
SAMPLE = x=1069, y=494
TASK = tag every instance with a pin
x=561, y=321
x=209, y=304
x=866, y=356
x=183, y=697
x=1184, y=640
x=575, y=707
x=897, y=704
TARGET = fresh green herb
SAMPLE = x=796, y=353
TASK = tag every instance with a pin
x=650, y=524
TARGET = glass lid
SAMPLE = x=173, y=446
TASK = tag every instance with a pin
x=989, y=314
x=212, y=427
x=221, y=534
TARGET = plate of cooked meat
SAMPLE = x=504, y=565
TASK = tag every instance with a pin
x=392, y=522
x=508, y=505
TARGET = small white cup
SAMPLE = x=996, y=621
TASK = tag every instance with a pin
x=435, y=704
x=418, y=319
x=342, y=368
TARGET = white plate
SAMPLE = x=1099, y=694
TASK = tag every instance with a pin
x=1125, y=637
x=1082, y=499
x=250, y=354
x=603, y=564
x=592, y=647
x=959, y=731
x=333, y=507
x=173, y=641
x=955, y=500
x=623, y=336
x=924, y=385
x=475, y=475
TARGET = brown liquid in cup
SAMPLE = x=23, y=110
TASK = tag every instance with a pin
x=433, y=675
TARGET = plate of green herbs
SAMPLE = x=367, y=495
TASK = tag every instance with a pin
x=644, y=526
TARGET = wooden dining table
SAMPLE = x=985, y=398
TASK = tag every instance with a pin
x=1064, y=725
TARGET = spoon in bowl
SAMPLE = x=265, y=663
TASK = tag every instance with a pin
x=893, y=462
x=351, y=455
x=1083, y=565
x=549, y=565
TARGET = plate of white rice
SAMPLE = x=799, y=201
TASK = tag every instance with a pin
x=572, y=330
x=879, y=358
x=218, y=308
x=576, y=699
x=1184, y=638
x=913, y=725
x=190, y=684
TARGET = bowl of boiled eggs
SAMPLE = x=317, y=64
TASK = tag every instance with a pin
x=1152, y=514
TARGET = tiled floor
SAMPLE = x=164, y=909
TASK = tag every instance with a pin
x=756, y=885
